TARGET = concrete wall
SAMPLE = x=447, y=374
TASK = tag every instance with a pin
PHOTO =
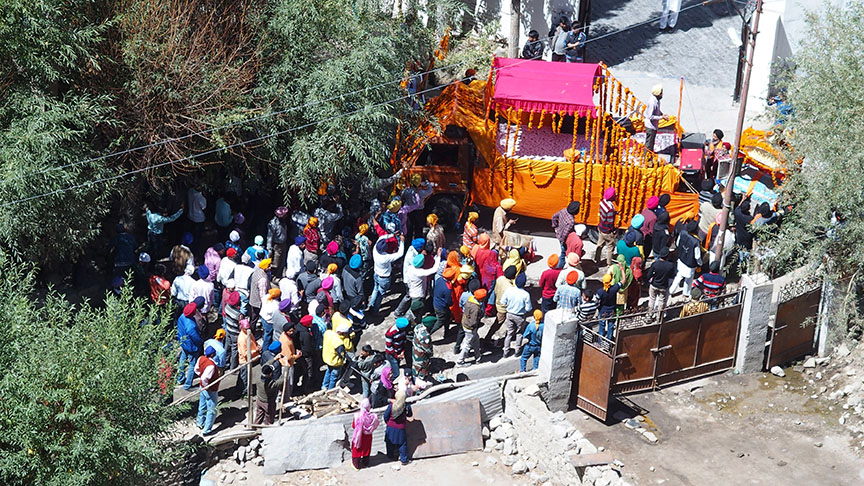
x=536, y=14
x=782, y=31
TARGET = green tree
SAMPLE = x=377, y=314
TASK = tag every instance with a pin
x=319, y=49
x=51, y=48
x=81, y=394
x=825, y=91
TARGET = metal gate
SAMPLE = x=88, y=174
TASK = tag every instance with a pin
x=668, y=349
x=592, y=374
x=794, y=332
x=651, y=351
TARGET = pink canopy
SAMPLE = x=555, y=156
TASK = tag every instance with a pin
x=540, y=85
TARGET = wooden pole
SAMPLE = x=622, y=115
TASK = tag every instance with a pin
x=249, y=378
x=736, y=164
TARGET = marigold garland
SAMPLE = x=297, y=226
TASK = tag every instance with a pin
x=530, y=119
x=573, y=174
x=575, y=130
x=542, y=116
x=553, y=121
x=534, y=177
x=560, y=120
x=606, y=134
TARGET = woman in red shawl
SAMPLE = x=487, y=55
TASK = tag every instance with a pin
x=365, y=422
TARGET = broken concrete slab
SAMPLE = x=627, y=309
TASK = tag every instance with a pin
x=300, y=446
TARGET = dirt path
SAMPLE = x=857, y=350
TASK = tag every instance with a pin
x=731, y=429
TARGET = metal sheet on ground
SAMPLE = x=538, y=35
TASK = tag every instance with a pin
x=440, y=429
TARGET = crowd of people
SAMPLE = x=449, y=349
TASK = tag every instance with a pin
x=296, y=299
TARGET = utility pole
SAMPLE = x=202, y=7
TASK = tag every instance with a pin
x=736, y=163
x=515, y=9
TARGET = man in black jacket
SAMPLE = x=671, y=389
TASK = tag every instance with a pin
x=659, y=277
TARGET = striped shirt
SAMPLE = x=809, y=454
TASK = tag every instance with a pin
x=606, y=223
x=394, y=341
x=469, y=235
x=711, y=284
x=587, y=310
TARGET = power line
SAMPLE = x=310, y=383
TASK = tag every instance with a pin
x=282, y=132
x=208, y=152
x=229, y=125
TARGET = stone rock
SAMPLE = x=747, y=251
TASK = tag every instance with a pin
x=509, y=447
x=810, y=363
x=651, y=437
x=818, y=375
x=842, y=351
x=592, y=474
x=823, y=361
x=230, y=479
x=778, y=371
x=508, y=460
x=531, y=465
x=586, y=447
x=396, y=467
x=504, y=431
x=817, y=444
x=572, y=445
x=258, y=461
x=491, y=461
x=495, y=422
x=485, y=432
x=475, y=463
x=499, y=446
x=557, y=416
x=254, y=444
x=519, y=467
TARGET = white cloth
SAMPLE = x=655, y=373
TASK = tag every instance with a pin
x=562, y=277
x=226, y=270
x=197, y=204
x=294, y=262
x=181, y=287
x=669, y=15
x=408, y=262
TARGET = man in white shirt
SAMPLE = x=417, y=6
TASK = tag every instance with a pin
x=653, y=116
x=203, y=288
x=384, y=255
x=226, y=267
x=416, y=282
x=294, y=262
x=181, y=287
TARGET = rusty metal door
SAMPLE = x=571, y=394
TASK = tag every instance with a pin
x=697, y=345
x=593, y=375
x=635, y=362
x=794, y=331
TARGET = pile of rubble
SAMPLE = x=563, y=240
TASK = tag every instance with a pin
x=234, y=471
x=544, y=446
x=841, y=385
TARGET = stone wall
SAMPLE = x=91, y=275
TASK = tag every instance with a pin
x=548, y=440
